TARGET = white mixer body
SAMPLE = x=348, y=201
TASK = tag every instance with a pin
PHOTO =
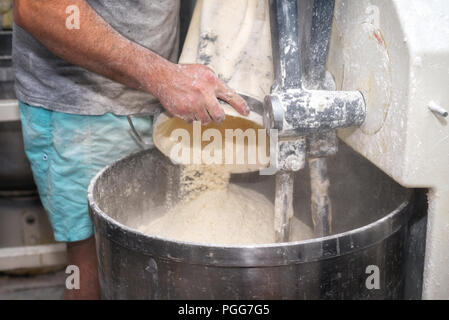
x=396, y=52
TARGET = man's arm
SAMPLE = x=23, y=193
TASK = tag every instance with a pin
x=187, y=91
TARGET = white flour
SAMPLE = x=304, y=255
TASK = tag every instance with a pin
x=224, y=216
x=212, y=210
x=195, y=180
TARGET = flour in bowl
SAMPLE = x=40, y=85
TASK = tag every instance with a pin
x=224, y=216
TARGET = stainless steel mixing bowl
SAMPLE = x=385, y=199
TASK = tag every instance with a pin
x=370, y=218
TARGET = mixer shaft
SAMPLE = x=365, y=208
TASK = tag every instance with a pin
x=283, y=206
x=297, y=112
x=320, y=201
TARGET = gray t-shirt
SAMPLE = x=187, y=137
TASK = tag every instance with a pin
x=43, y=79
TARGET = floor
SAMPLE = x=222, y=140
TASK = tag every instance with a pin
x=48, y=286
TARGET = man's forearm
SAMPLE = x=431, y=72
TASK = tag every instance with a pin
x=187, y=91
x=95, y=46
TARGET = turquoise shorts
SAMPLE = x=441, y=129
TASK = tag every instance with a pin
x=66, y=151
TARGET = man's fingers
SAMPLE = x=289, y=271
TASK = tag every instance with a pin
x=216, y=112
x=230, y=96
x=202, y=115
x=187, y=118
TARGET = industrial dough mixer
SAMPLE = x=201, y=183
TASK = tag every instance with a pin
x=384, y=85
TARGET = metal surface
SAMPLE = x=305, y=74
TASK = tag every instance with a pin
x=369, y=230
x=324, y=143
x=318, y=46
x=285, y=44
x=140, y=141
x=283, y=206
x=291, y=109
x=307, y=112
x=439, y=110
x=399, y=79
x=287, y=65
x=320, y=200
x=310, y=116
x=253, y=104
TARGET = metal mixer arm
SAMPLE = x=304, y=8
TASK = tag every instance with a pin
x=297, y=113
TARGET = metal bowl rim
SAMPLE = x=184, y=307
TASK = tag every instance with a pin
x=275, y=254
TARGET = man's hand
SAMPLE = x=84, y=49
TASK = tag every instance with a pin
x=187, y=91
x=190, y=92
